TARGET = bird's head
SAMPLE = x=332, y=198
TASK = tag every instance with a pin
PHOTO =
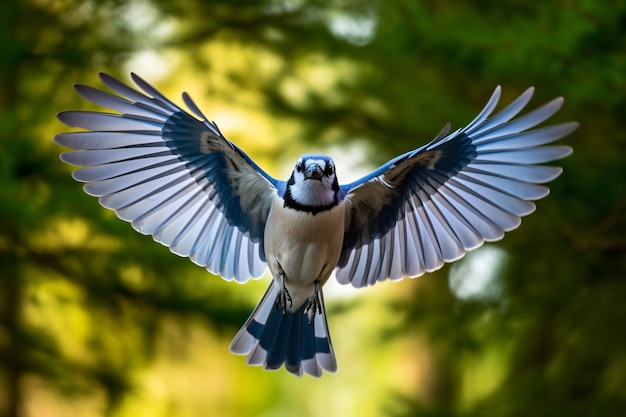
x=313, y=185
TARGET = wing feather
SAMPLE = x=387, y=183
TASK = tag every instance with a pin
x=172, y=176
x=431, y=205
x=504, y=115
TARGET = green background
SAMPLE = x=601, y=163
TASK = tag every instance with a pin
x=97, y=320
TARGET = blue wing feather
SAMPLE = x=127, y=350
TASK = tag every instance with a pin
x=455, y=153
x=168, y=173
x=431, y=205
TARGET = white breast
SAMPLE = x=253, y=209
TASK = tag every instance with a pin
x=305, y=246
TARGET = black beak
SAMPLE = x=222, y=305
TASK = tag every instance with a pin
x=313, y=172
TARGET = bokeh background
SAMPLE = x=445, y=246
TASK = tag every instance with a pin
x=97, y=320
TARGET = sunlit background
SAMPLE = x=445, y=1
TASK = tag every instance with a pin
x=97, y=320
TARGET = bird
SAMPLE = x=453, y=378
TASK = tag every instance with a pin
x=172, y=174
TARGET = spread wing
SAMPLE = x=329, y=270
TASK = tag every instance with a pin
x=172, y=175
x=431, y=205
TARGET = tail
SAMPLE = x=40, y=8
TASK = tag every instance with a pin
x=270, y=339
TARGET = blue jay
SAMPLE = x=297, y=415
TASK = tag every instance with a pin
x=176, y=177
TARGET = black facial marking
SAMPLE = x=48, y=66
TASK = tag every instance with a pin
x=293, y=204
x=290, y=202
x=329, y=170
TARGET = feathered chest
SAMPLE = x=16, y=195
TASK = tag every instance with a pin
x=293, y=225
x=304, y=246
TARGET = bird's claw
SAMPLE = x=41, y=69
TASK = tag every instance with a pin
x=314, y=306
x=283, y=297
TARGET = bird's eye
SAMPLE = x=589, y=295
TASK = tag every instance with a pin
x=299, y=166
x=329, y=170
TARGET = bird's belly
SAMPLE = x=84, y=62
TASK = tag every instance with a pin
x=305, y=247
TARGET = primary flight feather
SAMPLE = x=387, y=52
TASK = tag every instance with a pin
x=173, y=175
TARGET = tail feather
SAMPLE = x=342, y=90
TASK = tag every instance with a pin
x=276, y=339
x=270, y=339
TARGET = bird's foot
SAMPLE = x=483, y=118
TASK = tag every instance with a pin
x=283, y=297
x=314, y=305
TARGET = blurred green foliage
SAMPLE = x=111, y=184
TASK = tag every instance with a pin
x=96, y=319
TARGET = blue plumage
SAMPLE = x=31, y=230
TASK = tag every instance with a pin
x=287, y=339
x=176, y=177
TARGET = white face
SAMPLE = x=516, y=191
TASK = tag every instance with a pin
x=314, y=182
